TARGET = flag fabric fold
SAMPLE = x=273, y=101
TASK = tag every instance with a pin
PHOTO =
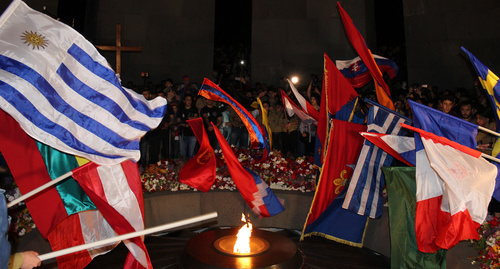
x=401, y=194
x=58, y=211
x=326, y=216
x=359, y=44
x=267, y=128
x=432, y=201
x=117, y=192
x=365, y=192
x=400, y=147
x=254, y=190
x=468, y=181
x=306, y=106
x=62, y=92
x=490, y=83
x=357, y=73
x=199, y=171
x=292, y=109
x=211, y=91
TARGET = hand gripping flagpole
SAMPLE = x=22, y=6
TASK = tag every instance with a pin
x=39, y=189
x=163, y=227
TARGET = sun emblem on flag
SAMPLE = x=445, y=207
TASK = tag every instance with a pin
x=34, y=39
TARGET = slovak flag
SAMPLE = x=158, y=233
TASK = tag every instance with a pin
x=357, y=73
x=453, y=206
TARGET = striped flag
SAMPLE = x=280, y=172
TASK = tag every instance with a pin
x=62, y=91
x=291, y=109
x=306, y=106
x=400, y=147
x=364, y=195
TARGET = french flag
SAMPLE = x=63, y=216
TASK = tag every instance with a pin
x=453, y=205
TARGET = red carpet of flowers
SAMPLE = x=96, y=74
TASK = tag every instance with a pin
x=489, y=244
x=278, y=172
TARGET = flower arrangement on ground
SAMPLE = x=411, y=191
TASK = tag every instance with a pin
x=488, y=244
x=278, y=171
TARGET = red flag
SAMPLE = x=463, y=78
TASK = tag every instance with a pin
x=199, y=171
x=343, y=146
x=116, y=191
x=47, y=208
x=359, y=44
x=254, y=190
x=29, y=171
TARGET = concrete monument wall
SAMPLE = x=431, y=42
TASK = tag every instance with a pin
x=290, y=37
x=435, y=30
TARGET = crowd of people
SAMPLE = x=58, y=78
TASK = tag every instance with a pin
x=174, y=138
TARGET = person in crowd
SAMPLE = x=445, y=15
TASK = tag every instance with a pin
x=239, y=132
x=466, y=112
x=289, y=135
x=485, y=140
x=447, y=104
x=188, y=139
x=187, y=88
x=211, y=114
x=276, y=115
x=174, y=130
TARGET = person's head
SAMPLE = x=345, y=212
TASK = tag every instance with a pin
x=168, y=83
x=188, y=100
x=209, y=103
x=146, y=93
x=186, y=80
x=315, y=99
x=466, y=110
x=484, y=116
x=265, y=105
x=447, y=103
x=174, y=107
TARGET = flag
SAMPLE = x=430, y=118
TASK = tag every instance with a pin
x=211, y=91
x=62, y=92
x=267, y=128
x=306, y=106
x=326, y=216
x=359, y=44
x=254, y=190
x=292, y=109
x=365, y=193
x=116, y=191
x=452, y=128
x=4, y=228
x=468, y=181
x=199, y=171
x=401, y=194
x=338, y=100
x=356, y=72
x=58, y=211
x=490, y=83
x=400, y=147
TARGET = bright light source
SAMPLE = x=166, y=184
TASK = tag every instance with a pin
x=242, y=62
x=295, y=80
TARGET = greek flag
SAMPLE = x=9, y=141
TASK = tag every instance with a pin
x=64, y=94
x=364, y=195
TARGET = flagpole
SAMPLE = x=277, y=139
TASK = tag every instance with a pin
x=39, y=189
x=163, y=227
x=489, y=157
x=488, y=131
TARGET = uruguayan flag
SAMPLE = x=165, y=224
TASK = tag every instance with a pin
x=364, y=195
x=64, y=94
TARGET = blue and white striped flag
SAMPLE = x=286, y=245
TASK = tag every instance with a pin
x=64, y=94
x=364, y=195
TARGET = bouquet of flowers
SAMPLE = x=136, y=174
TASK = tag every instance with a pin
x=488, y=244
x=278, y=172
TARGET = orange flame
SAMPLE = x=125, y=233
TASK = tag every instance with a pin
x=242, y=244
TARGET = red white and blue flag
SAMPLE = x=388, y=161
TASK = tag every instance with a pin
x=357, y=73
x=365, y=193
x=254, y=190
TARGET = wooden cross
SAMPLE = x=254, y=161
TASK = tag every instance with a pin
x=119, y=48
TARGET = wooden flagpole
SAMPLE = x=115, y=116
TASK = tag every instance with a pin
x=39, y=189
x=163, y=227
